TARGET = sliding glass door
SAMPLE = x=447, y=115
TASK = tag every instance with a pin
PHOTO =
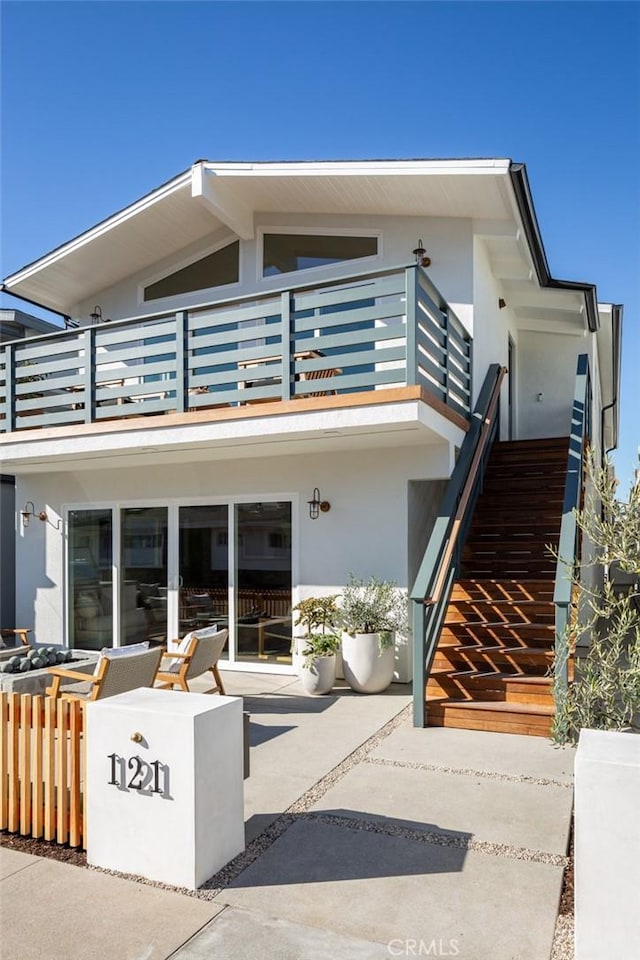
x=143, y=575
x=203, y=580
x=155, y=573
x=263, y=581
x=89, y=580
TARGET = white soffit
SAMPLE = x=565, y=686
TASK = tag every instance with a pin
x=198, y=202
x=137, y=237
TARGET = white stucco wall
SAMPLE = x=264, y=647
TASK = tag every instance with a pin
x=365, y=531
x=492, y=327
x=547, y=366
x=448, y=242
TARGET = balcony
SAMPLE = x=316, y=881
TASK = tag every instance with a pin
x=355, y=335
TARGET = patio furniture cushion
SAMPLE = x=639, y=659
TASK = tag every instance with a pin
x=183, y=645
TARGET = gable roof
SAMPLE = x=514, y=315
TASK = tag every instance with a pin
x=212, y=195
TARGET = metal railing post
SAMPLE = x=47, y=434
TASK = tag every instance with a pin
x=89, y=338
x=288, y=361
x=411, y=294
x=182, y=357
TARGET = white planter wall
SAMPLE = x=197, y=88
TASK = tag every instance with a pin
x=607, y=845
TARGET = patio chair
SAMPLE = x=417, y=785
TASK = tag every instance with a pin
x=17, y=634
x=200, y=652
x=117, y=671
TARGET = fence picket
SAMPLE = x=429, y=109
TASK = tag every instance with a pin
x=49, y=769
x=4, y=764
x=14, y=777
x=62, y=725
x=37, y=820
x=75, y=816
x=25, y=763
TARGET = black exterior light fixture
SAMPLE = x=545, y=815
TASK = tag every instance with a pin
x=420, y=254
x=316, y=505
x=28, y=513
x=96, y=316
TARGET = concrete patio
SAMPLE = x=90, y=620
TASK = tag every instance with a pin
x=366, y=839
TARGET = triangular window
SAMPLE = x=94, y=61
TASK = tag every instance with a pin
x=215, y=270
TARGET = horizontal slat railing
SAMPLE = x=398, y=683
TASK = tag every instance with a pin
x=441, y=562
x=351, y=334
x=569, y=545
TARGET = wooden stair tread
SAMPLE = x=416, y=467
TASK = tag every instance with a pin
x=514, y=624
x=510, y=651
x=489, y=675
x=499, y=706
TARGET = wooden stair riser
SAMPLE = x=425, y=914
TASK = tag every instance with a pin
x=532, y=663
x=514, y=690
x=501, y=634
x=535, y=726
x=478, y=611
x=504, y=590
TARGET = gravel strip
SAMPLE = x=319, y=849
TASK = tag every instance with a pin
x=563, y=940
x=465, y=771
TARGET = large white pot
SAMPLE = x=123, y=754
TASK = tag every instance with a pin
x=367, y=668
x=319, y=676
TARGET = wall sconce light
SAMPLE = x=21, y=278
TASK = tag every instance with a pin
x=502, y=303
x=27, y=514
x=96, y=316
x=316, y=505
x=419, y=253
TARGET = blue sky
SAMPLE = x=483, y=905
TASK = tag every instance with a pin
x=102, y=101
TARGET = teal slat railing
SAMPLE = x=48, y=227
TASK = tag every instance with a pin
x=569, y=543
x=441, y=562
x=365, y=332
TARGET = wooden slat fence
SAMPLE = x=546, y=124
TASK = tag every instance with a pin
x=42, y=768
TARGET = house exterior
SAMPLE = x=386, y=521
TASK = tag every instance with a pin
x=254, y=337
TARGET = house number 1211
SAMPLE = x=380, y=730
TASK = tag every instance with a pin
x=135, y=773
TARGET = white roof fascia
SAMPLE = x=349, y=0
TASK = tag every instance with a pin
x=359, y=168
x=105, y=226
x=218, y=199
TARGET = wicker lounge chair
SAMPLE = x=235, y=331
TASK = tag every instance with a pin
x=114, y=674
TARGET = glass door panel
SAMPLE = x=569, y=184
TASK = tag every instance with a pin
x=90, y=579
x=203, y=595
x=143, y=575
x=263, y=581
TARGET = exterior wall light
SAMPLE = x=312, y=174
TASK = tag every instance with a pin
x=96, y=316
x=28, y=513
x=420, y=254
x=316, y=505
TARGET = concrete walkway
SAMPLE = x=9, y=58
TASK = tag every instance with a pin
x=366, y=839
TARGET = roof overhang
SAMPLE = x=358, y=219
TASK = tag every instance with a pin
x=213, y=196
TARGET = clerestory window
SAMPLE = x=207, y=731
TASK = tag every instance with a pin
x=287, y=252
x=215, y=270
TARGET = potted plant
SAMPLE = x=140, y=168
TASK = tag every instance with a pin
x=372, y=610
x=319, y=616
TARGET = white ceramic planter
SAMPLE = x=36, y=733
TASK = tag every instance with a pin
x=319, y=677
x=367, y=668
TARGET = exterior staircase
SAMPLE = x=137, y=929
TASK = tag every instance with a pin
x=491, y=667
